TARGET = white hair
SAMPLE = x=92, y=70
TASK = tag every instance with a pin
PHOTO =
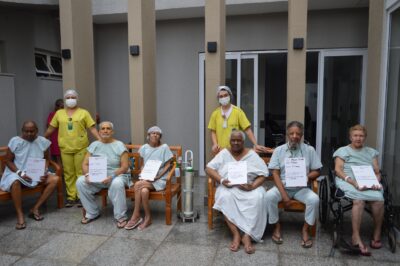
x=234, y=131
x=107, y=122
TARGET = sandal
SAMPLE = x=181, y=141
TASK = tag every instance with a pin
x=363, y=250
x=307, y=243
x=121, y=223
x=89, y=220
x=375, y=244
x=35, y=216
x=277, y=239
x=132, y=225
x=19, y=226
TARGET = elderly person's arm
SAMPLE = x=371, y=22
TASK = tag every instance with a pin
x=216, y=177
x=255, y=184
x=121, y=170
x=9, y=162
x=279, y=185
x=313, y=174
x=48, y=158
x=339, y=166
x=94, y=132
x=376, y=169
x=85, y=167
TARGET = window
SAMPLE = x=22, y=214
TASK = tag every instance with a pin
x=48, y=64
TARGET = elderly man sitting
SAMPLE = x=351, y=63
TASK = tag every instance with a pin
x=242, y=203
x=117, y=176
x=309, y=162
x=17, y=174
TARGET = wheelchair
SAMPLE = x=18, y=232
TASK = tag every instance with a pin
x=333, y=200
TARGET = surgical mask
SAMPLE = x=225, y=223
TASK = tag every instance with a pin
x=71, y=103
x=224, y=101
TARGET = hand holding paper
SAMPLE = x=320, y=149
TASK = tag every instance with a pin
x=35, y=168
x=365, y=176
x=150, y=170
x=97, y=169
x=295, y=172
x=237, y=173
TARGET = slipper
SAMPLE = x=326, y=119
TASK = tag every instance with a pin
x=19, y=226
x=362, y=253
x=121, y=223
x=131, y=225
x=307, y=243
x=89, y=220
x=375, y=244
x=277, y=240
x=35, y=216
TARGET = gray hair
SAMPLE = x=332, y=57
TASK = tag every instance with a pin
x=295, y=124
x=72, y=92
x=107, y=122
x=234, y=131
x=225, y=88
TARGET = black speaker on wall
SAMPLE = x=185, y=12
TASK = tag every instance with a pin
x=298, y=43
x=212, y=47
x=134, y=50
x=66, y=53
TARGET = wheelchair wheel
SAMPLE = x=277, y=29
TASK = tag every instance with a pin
x=392, y=239
x=324, y=201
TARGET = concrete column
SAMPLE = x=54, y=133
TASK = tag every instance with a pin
x=375, y=42
x=296, y=61
x=142, y=68
x=76, y=27
x=215, y=62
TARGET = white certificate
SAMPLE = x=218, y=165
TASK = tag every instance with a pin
x=150, y=170
x=365, y=176
x=295, y=172
x=237, y=173
x=97, y=169
x=35, y=168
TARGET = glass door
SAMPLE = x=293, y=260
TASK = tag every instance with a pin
x=340, y=100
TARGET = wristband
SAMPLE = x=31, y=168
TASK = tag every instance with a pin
x=18, y=172
x=221, y=180
x=23, y=173
x=346, y=177
x=87, y=174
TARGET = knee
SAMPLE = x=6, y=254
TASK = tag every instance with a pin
x=358, y=204
x=16, y=184
x=144, y=191
x=53, y=179
x=313, y=200
x=117, y=184
x=80, y=182
x=271, y=198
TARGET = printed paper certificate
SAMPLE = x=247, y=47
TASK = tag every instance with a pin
x=237, y=173
x=295, y=172
x=150, y=170
x=35, y=168
x=365, y=176
x=97, y=169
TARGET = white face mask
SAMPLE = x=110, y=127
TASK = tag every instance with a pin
x=224, y=101
x=71, y=103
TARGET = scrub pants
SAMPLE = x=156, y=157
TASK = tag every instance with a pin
x=304, y=195
x=72, y=165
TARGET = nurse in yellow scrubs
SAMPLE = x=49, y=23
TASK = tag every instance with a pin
x=72, y=123
x=228, y=117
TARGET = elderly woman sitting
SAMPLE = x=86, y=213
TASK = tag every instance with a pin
x=356, y=154
x=243, y=205
x=152, y=151
x=116, y=181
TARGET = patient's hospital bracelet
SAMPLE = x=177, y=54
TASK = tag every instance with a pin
x=221, y=180
x=346, y=177
x=87, y=174
x=18, y=172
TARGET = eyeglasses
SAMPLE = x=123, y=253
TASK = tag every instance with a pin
x=70, y=124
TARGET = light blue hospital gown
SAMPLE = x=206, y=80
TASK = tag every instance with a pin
x=22, y=150
x=350, y=156
x=161, y=153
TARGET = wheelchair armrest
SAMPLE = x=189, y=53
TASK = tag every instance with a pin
x=339, y=193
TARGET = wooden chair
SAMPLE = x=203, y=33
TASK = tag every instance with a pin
x=4, y=195
x=295, y=206
x=173, y=187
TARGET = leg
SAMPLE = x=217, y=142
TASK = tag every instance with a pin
x=145, y=193
x=69, y=171
x=51, y=184
x=356, y=215
x=78, y=160
x=248, y=246
x=136, y=219
x=273, y=197
x=236, y=236
x=86, y=192
x=378, y=209
x=311, y=200
x=17, y=199
x=116, y=193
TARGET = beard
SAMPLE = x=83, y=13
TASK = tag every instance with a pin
x=293, y=145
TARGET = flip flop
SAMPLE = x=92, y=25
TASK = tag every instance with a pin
x=277, y=240
x=89, y=220
x=375, y=244
x=362, y=253
x=121, y=224
x=131, y=225
x=35, y=216
x=307, y=243
x=19, y=226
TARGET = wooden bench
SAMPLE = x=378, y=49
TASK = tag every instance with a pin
x=173, y=187
x=295, y=206
x=5, y=196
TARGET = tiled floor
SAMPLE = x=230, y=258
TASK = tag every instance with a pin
x=60, y=239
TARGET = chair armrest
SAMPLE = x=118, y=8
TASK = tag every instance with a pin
x=171, y=172
x=314, y=186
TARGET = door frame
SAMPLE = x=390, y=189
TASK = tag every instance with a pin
x=320, y=100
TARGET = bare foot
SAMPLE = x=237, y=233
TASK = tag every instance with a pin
x=146, y=223
x=235, y=244
x=248, y=247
